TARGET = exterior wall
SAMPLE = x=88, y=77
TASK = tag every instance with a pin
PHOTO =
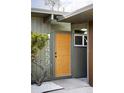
x=79, y=55
x=90, y=53
x=38, y=25
x=61, y=26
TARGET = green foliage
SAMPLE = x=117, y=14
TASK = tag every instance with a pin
x=38, y=41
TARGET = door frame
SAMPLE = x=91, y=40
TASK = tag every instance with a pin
x=53, y=56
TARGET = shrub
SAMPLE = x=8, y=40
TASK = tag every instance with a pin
x=38, y=41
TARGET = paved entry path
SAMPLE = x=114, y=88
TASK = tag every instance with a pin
x=73, y=85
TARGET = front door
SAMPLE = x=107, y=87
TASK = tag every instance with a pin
x=62, y=54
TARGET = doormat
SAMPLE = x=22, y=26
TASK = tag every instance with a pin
x=45, y=87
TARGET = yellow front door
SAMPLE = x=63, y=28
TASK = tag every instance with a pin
x=62, y=54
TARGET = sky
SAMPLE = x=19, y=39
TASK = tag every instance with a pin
x=68, y=5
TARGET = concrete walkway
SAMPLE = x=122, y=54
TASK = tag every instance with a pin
x=73, y=86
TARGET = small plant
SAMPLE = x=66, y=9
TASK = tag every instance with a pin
x=38, y=41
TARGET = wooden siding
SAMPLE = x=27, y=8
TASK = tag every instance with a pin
x=37, y=25
x=90, y=53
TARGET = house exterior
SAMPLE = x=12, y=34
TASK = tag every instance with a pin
x=78, y=17
x=69, y=51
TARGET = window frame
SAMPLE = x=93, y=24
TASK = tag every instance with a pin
x=82, y=45
x=84, y=39
x=75, y=42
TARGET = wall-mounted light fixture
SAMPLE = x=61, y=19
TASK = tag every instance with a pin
x=84, y=29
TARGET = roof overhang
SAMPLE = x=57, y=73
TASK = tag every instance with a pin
x=81, y=15
x=45, y=13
